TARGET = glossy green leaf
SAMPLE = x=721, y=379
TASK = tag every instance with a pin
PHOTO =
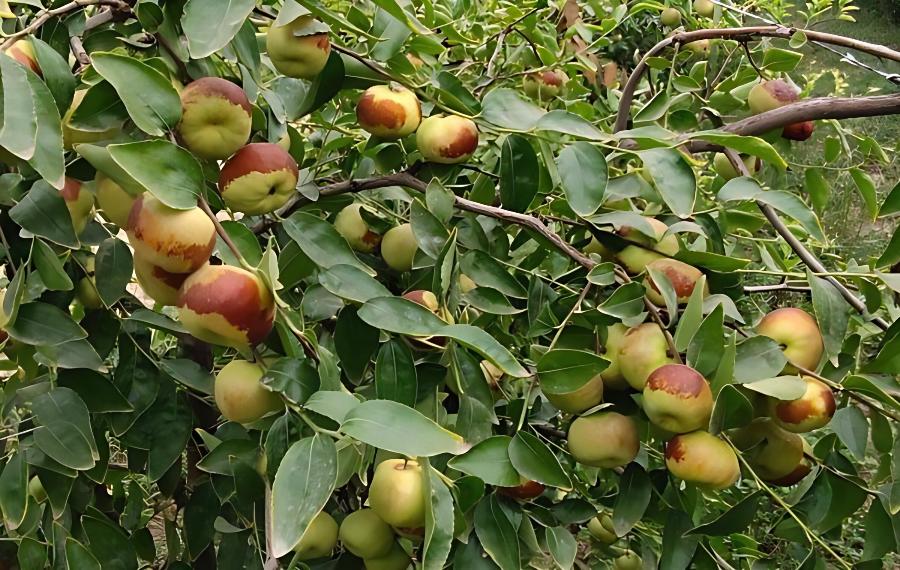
x=164, y=169
x=65, y=433
x=519, y=173
x=14, y=491
x=562, y=371
x=673, y=177
x=535, y=461
x=866, y=188
x=321, y=242
x=209, y=25
x=506, y=108
x=852, y=429
x=439, y=520
x=50, y=267
x=497, y=533
x=293, y=378
x=113, y=270
x=488, y=272
x=757, y=358
x=562, y=546
x=832, y=314
x=584, y=176
x=18, y=134
x=387, y=425
x=43, y=213
x=744, y=188
x=632, y=499
x=44, y=324
x=489, y=461
x=48, y=158
x=395, y=373
x=781, y=387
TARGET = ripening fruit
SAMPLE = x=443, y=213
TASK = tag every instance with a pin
x=797, y=332
x=628, y=561
x=699, y=47
x=398, y=247
x=585, y=397
x=798, y=131
x=525, y=491
x=466, y=284
x=703, y=459
x=295, y=53
x=239, y=394
x=389, y=111
x=156, y=282
x=812, y=410
x=425, y=298
x=87, y=293
x=447, y=139
x=678, y=399
x=23, y=52
x=800, y=471
x=319, y=539
x=612, y=374
x=178, y=241
x=258, y=179
x=396, y=559
x=682, y=276
x=79, y=202
x=604, y=439
x=397, y=493
x=636, y=258
x=351, y=225
x=771, y=94
x=544, y=85
x=114, y=201
x=601, y=528
x=771, y=451
x=670, y=17
x=215, y=118
x=726, y=170
x=226, y=305
x=73, y=136
x=704, y=8
x=643, y=350
x=364, y=534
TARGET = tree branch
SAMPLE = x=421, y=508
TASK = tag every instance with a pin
x=44, y=15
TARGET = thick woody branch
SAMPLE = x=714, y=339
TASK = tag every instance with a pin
x=804, y=254
x=740, y=34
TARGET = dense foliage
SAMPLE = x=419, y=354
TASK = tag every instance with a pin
x=567, y=297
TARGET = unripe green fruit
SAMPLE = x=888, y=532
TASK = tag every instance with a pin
x=396, y=559
x=397, y=493
x=113, y=200
x=628, y=561
x=643, y=350
x=319, y=539
x=398, y=247
x=364, y=534
x=601, y=528
x=351, y=225
x=726, y=170
x=612, y=374
x=302, y=56
x=239, y=394
x=704, y=8
x=604, y=439
x=670, y=17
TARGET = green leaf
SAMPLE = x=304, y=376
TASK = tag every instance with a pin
x=43, y=324
x=351, y=283
x=78, y=556
x=852, y=429
x=564, y=370
x=209, y=25
x=100, y=109
x=891, y=254
x=113, y=270
x=489, y=460
x=43, y=212
x=753, y=146
x=32, y=555
x=164, y=169
x=321, y=242
x=303, y=484
x=691, y=318
x=781, y=387
x=506, y=108
x=14, y=491
x=109, y=543
x=732, y=409
x=487, y=346
x=56, y=72
x=817, y=187
x=734, y=520
x=50, y=267
x=151, y=100
x=293, y=378
x=430, y=233
x=625, y=302
x=333, y=405
x=534, y=460
x=832, y=314
x=388, y=425
x=744, y=188
x=48, y=159
x=562, y=546
x=776, y=59
x=519, y=173
x=439, y=520
x=395, y=373
x=673, y=177
x=65, y=429
x=19, y=132
x=891, y=204
x=98, y=392
x=567, y=123
x=705, y=349
x=401, y=316
x=246, y=241
x=355, y=343
x=632, y=498
x=497, y=533
x=397, y=10
x=757, y=358
x=488, y=272
x=584, y=176
x=678, y=548
x=866, y=188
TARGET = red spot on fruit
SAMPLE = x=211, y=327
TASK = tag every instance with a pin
x=798, y=131
x=216, y=87
x=379, y=111
x=799, y=472
x=371, y=238
x=71, y=189
x=677, y=379
x=256, y=157
x=237, y=298
x=322, y=42
x=682, y=284
x=675, y=449
x=196, y=254
x=464, y=144
x=525, y=491
x=782, y=91
x=173, y=280
x=551, y=78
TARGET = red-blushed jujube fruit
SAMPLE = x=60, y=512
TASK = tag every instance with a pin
x=79, y=201
x=319, y=539
x=258, y=179
x=226, y=305
x=397, y=493
x=771, y=451
x=544, y=85
x=178, y=241
x=771, y=94
x=239, y=394
x=678, y=399
x=525, y=491
x=604, y=439
x=634, y=257
x=216, y=118
x=389, y=111
x=798, y=131
x=812, y=410
x=643, y=350
x=447, y=139
x=364, y=534
x=298, y=49
x=703, y=459
x=159, y=284
x=798, y=333
x=682, y=276
x=353, y=227
x=23, y=52
x=398, y=247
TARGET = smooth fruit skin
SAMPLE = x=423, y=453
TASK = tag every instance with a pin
x=699, y=47
x=682, y=276
x=636, y=258
x=798, y=131
x=704, y=8
x=670, y=17
x=398, y=247
x=88, y=295
x=319, y=539
x=396, y=559
x=297, y=56
x=397, y=493
x=215, y=118
x=628, y=561
x=156, y=282
x=604, y=439
x=73, y=136
x=601, y=528
x=22, y=52
x=703, y=459
x=226, y=305
x=364, y=534
x=351, y=225
x=771, y=451
x=178, y=241
x=584, y=398
x=425, y=298
x=258, y=179
x=814, y=409
x=79, y=202
x=525, y=492
x=113, y=200
x=797, y=331
x=799, y=472
x=449, y=139
x=643, y=350
x=389, y=111
x=239, y=394
x=612, y=374
x=769, y=95
x=678, y=399
x=544, y=85
x=726, y=170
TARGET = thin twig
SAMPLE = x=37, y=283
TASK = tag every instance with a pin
x=45, y=15
x=81, y=56
x=750, y=59
x=220, y=229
